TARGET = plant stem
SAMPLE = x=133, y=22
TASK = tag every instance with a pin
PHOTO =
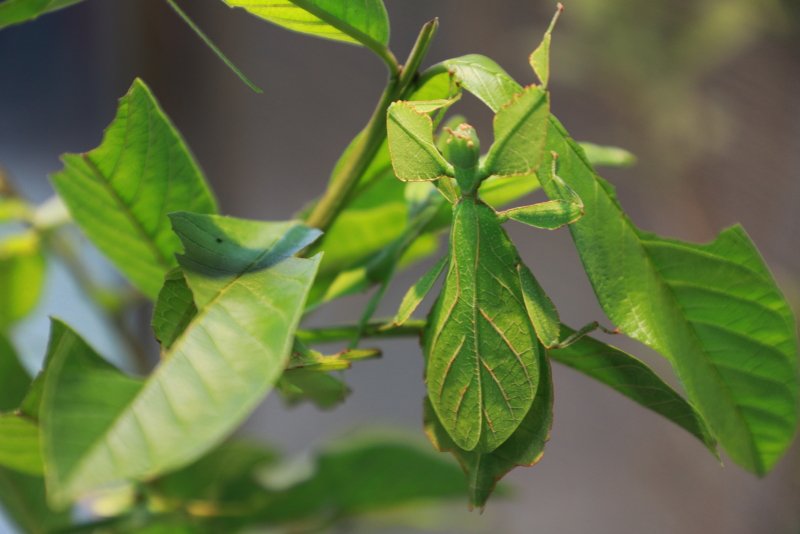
x=346, y=178
x=375, y=329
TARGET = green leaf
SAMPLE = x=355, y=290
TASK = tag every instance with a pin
x=607, y=156
x=23, y=500
x=635, y=380
x=541, y=310
x=174, y=309
x=19, y=11
x=416, y=293
x=540, y=58
x=365, y=22
x=322, y=389
x=22, y=273
x=524, y=448
x=250, y=297
x=19, y=444
x=482, y=362
x=121, y=192
x=14, y=379
x=714, y=310
x=414, y=154
x=365, y=475
x=520, y=130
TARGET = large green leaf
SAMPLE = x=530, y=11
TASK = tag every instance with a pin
x=634, y=379
x=482, y=362
x=364, y=22
x=14, y=379
x=524, y=448
x=365, y=475
x=121, y=192
x=22, y=272
x=250, y=296
x=714, y=310
x=19, y=11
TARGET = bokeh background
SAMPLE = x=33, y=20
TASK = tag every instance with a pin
x=704, y=92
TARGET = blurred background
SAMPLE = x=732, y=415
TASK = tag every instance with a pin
x=705, y=93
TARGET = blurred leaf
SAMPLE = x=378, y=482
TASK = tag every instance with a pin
x=174, y=309
x=250, y=296
x=634, y=379
x=322, y=389
x=224, y=475
x=121, y=192
x=19, y=444
x=14, y=379
x=607, y=156
x=524, y=448
x=23, y=501
x=22, y=273
x=18, y=11
x=365, y=475
x=366, y=22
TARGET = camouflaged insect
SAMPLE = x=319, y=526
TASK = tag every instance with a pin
x=487, y=331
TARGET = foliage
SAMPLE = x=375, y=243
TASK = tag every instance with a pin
x=155, y=452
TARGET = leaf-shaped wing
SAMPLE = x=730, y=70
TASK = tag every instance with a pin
x=520, y=130
x=483, y=362
x=415, y=157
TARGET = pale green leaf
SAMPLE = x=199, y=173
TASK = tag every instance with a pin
x=414, y=154
x=484, y=78
x=524, y=448
x=482, y=358
x=607, y=156
x=365, y=21
x=714, y=310
x=19, y=11
x=22, y=273
x=520, y=130
x=174, y=309
x=121, y=192
x=250, y=298
x=634, y=379
x=416, y=293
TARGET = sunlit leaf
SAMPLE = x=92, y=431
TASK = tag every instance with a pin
x=121, y=192
x=414, y=153
x=364, y=22
x=249, y=295
x=22, y=272
x=19, y=11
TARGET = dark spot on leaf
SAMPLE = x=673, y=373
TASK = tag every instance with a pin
x=219, y=240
